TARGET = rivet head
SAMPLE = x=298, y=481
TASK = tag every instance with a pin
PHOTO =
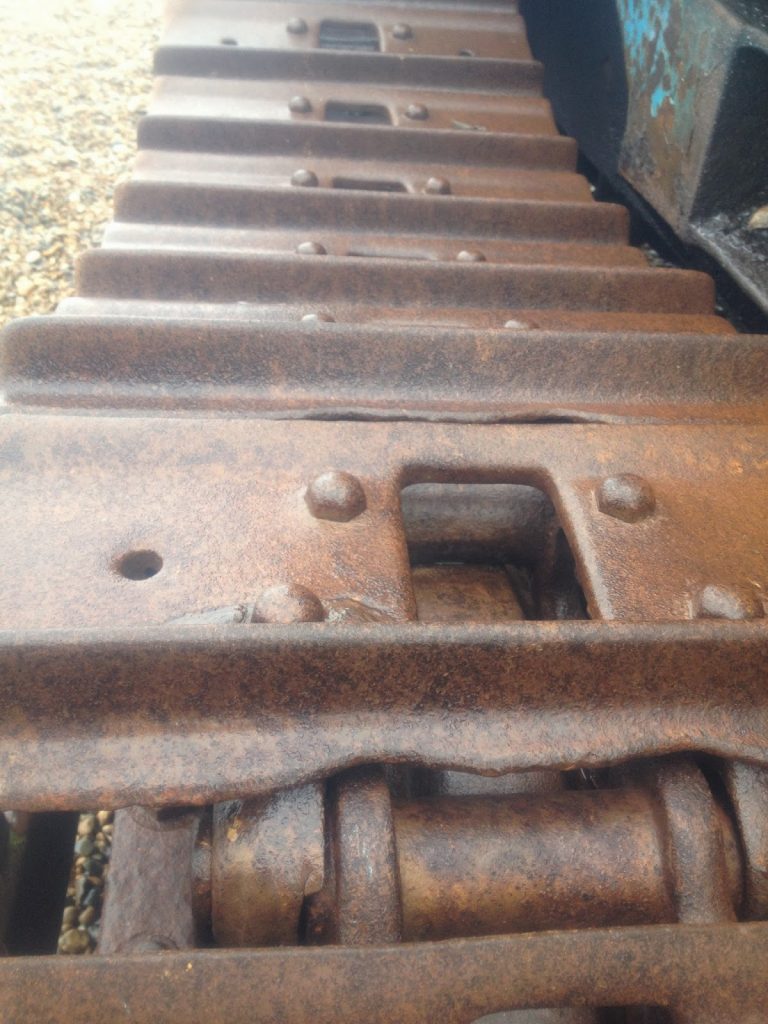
x=402, y=31
x=471, y=256
x=336, y=496
x=438, y=187
x=626, y=497
x=304, y=179
x=296, y=26
x=311, y=249
x=736, y=603
x=313, y=318
x=416, y=112
x=287, y=602
x=300, y=105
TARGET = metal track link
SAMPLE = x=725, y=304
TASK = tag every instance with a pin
x=385, y=541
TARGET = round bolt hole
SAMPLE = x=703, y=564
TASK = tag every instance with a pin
x=228, y=41
x=139, y=565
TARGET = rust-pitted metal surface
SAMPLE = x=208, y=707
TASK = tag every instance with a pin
x=704, y=974
x=181, y=716
x=396, y=537
x=227, y=518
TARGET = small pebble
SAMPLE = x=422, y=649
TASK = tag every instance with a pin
x=86, y=825
x=70, y=917
x=74, y=941
x=104, y=818
x=81, y=890
x=92, y=898
x=87, y=917
x=84, y=846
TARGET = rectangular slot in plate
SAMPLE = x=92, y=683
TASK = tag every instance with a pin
x=365, y=185
x=488, y=553
x=357, y=113
x=348, y=35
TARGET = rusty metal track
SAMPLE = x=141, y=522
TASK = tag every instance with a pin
x=386, y=542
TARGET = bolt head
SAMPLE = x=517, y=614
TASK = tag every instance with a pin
x=735, y=603
x=438, y=187
x=304, y=179
x=416, y=112
x=313, y=318
x=336, y=496
x=296, y=26
x=626, y=497
x=471, y=256
x=311, y=249
x=402, y=31
x=286, y=603
x=300, y=105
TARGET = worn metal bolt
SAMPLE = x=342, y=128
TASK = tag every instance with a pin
x=300, y=105
x=438, y=187
x=311, y=318
x=626, y=497
x=416, y=112
x=311, y=249
x=287, y=602
x=304, y=178
x=296, y=26
x=402, y=31
x=471, y=256
x=736, y=603
x=336, y=496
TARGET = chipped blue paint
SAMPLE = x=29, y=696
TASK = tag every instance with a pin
x=658, y=96
x=674, y=59
x=644, y=23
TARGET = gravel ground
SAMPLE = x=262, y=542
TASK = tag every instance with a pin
x=74, y=78
x=85, y=893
